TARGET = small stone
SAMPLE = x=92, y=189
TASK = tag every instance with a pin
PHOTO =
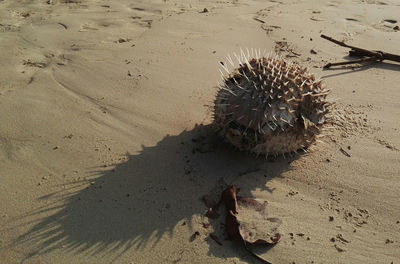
x=396, y=28
x=331, y=218
x=205, y=10
x=56, y=147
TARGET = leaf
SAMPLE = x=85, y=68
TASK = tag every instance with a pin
x=254, y=225
x=247, y=218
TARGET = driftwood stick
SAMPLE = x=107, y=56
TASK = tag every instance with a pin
x=385, y=55
x=373, y=55
x=362, y=52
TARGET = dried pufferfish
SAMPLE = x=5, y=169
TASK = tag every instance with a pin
x=269, y=106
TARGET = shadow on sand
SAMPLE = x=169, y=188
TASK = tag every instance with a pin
x=358, y=67
x=137, y=202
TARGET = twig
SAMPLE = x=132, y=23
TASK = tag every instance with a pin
x=372, y=55
x=362, y=52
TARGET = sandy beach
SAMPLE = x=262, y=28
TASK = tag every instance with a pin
x=107, y=147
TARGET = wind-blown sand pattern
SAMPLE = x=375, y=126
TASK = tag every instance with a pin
x=101, y=161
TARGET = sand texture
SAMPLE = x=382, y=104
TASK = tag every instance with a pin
x=101, y=160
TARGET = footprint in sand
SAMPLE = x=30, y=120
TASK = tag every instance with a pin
x=374, y=2
x=138, y=8
x=70, y=1
x=54, y=2
x=391, y=21
x=387, y=144
x=30, y=63
x=8, y=28
x=20, y=14
x=352, y=19
x=144, y=10
x=386, y=25
x=122, y=40
x=87, y=27
x=142, y=22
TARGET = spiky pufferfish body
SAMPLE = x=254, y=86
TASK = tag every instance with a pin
x=270, y=106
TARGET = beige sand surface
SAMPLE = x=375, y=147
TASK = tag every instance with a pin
x=99, y=101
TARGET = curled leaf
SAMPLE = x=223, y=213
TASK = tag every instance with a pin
x=247, y=219
x=254, y=225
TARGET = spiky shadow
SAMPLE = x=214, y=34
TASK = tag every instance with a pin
x=134, y=204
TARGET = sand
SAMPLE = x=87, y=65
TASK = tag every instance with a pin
x=102, y=161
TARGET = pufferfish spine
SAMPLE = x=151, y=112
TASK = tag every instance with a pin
x=269, y=106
